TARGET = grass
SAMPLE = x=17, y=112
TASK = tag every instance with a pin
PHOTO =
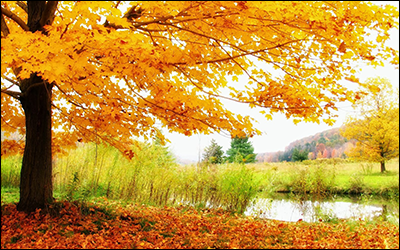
x=152, y=177
x=9, y=195
x=334, y=176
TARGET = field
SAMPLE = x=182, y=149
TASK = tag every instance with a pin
x=104, y=200
x=153, y=177
x=332, y=175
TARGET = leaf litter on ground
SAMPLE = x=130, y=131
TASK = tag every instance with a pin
x=83, y=225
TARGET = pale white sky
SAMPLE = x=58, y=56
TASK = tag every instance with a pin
x=279, y=132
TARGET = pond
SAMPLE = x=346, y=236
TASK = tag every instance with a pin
x=290, y=208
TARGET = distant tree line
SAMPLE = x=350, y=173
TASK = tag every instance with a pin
x=327, y=144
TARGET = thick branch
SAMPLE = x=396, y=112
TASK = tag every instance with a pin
x=11, y=93
x=11, y=80
x=48, y=14
x=4, y=27
x=23, y=6
x=16, y=18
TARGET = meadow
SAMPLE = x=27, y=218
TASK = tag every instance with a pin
x=335, y=176
x=153, y=177
x=105, y=200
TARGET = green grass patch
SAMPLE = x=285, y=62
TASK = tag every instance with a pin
x=330, y=175
x=9, y=195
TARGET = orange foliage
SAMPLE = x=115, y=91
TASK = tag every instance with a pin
x=150, y=227
x=169, y=63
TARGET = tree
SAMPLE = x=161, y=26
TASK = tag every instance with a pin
x=320, y=148
x=84, y=71
x=376, y=127
x=326, y=154
x=241, y=150
x=334, y=154
x=299, y=154
x=213, y=154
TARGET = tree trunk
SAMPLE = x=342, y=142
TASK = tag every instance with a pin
x=36, y=186
x=383, y=168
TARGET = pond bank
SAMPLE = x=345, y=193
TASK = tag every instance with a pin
x=389, y=193
x=291, y=207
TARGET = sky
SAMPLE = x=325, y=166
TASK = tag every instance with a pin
x=279, y=132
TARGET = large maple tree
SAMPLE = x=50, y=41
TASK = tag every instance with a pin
x=107, y=71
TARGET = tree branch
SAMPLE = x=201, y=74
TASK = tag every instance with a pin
x=69, y=100
x=4, y=27
x=48, y=14
x=15, y=18
x=11, y=93
x=23, y=6
x=12, y=81
x=166, y=109
x=116, y=5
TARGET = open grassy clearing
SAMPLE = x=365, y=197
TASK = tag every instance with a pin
x=332, y=175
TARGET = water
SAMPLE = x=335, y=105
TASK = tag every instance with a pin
x=286, y=209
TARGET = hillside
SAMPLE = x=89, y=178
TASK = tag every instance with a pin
x=326, y=144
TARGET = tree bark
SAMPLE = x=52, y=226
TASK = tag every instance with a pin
x=36, y=183
x=383, y=168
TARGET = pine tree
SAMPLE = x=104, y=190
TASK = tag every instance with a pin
x=241, y=151
x=213, y=154
x=299, y=154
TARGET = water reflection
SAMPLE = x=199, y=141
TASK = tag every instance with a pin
x=286, y=207
x=310, y=211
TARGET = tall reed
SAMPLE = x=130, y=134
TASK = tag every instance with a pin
x=315, y=179
x=10, y=171
x=152, y=177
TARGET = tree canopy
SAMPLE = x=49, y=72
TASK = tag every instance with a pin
x=376, y=127
x=115, y=75
x=107, y=71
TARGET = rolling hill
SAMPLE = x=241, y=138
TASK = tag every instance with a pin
x=326, y=144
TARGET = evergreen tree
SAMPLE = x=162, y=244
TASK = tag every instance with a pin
x=241, y=151
x=213, y=154
x=299, y=154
